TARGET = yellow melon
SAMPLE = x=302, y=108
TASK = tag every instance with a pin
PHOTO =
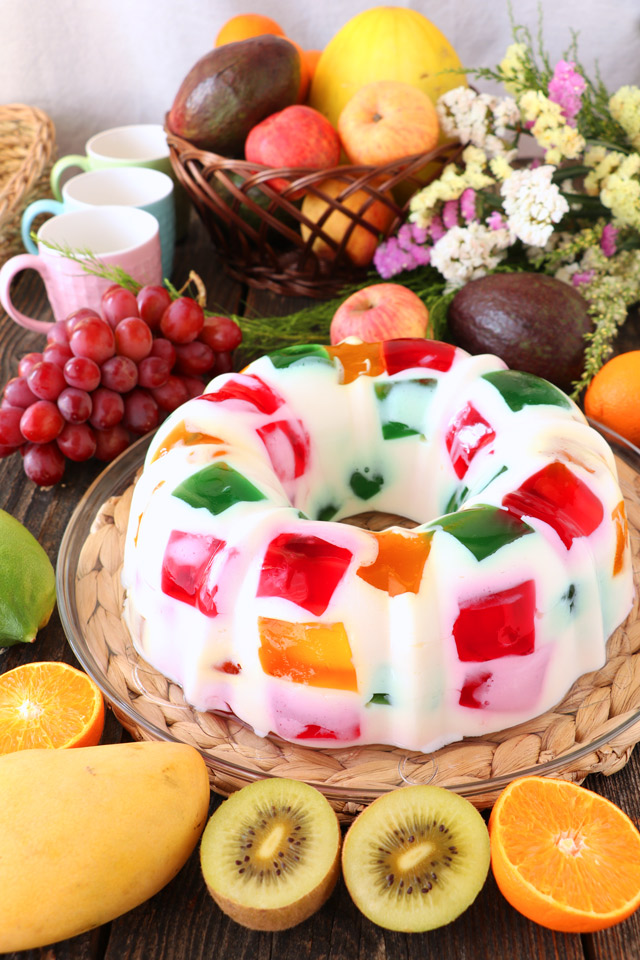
x=383, y=43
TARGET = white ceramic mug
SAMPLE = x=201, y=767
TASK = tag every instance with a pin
x=124, y=237
x=140, y=187
x=133, y=145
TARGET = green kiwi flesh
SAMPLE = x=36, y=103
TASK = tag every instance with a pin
x=416, y=858
x=270, y=853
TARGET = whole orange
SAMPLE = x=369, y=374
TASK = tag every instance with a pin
x=613, y=396
x=312, y=57
x=246, y=25
x=305, y=73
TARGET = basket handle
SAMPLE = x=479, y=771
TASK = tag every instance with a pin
x=72, y=160
x=35, y=209
x=24, y=261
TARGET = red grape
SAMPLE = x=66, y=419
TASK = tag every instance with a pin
x=10, y=432
x=57, y=353
x=27, y=363
x=93, y=338
x=182, y=321
x=18, y=393
x=224, y=362
x=82, y=373
x=58, y=333
x=46, y=380
x=77, y=442
x=221, y=334
x=152, y=301
x=41, y=422
x=44, y=463
x=108, y=408
x=134, y=338
x=194, y=385
x=171, y=394
x=118, y=303
x=80, y=314
x=6, y=451
x=194, y=358
x=141, y=412
x=119, y=374
x=111, y=442
x=153, y=372
x=75, y=405
x=165, y=349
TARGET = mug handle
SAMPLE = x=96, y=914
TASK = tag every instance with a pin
x=32, y=211
x=24, y=261
x=73, y=160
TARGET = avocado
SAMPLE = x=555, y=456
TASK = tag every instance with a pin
x=533, y=322
x=231, y=89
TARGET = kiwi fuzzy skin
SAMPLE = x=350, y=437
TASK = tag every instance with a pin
x=256, y=918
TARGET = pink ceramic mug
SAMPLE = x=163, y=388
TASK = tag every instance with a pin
x=124, y=237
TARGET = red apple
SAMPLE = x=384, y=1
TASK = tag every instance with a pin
x=361, y=242
x=387, y=120
x=297, y=136
x=383, y=311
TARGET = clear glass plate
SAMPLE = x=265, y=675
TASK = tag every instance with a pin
x=151, y=707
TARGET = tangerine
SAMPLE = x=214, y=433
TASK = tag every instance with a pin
x=305, y=73
x=311, y=58
x=564, y=856
x=49, y=704
x=613, y=396
x=246, y=25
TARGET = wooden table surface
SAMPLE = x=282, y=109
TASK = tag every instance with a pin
x=181, y=922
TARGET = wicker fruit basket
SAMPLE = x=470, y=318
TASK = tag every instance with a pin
x=27, y=152
x=256, y=229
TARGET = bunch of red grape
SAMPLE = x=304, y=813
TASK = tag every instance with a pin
x=104, y=380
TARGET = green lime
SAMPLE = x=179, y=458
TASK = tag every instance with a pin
x=27, y=583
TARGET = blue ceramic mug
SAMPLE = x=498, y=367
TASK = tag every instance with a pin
x=141, y=187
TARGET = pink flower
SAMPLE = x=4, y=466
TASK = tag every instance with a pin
x=495, y=221
x=436, y=229
x=586, y=276
x=608, y=240
x=395, y=254
x=468, y=204
x=566, y=88
x=450, y=214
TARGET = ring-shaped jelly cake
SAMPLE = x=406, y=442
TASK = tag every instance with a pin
x=243, y=587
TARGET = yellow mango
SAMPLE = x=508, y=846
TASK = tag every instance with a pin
x=90, y=833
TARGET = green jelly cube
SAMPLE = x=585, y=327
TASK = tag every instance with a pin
x=519, y=389
x=298, y=352
x=483, y=529
x=216, y=488
x=365, y=486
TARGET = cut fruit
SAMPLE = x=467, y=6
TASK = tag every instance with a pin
x=270, y=854
x=416, y=858
x=49, y=704
x=563, y=856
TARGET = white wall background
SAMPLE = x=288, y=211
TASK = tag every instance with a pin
x=94, y=64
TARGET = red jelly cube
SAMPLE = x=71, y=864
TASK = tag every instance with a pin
x=404, y=354
x=497, y=625
x=467, y=433
x=247, y=388
x=558, y=497
x=287, y=444
x=185, y=561
x=314, y=731
x=305, y=570
x=470, y=695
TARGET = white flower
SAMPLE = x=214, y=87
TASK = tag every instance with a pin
x=533, y=204
x=465, y=253
x=478, y=119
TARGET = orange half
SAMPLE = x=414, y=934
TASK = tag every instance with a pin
x=564, y=856
x=49, y=704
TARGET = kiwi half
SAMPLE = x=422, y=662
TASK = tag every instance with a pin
x=270, y=854
x=416, y=858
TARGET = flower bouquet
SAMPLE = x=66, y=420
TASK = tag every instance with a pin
x=572, y=211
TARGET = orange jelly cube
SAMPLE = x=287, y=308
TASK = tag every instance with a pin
x=619, y=517
x=400, y=561
x=317, y=654
x=358, y=360
x=181, y=436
